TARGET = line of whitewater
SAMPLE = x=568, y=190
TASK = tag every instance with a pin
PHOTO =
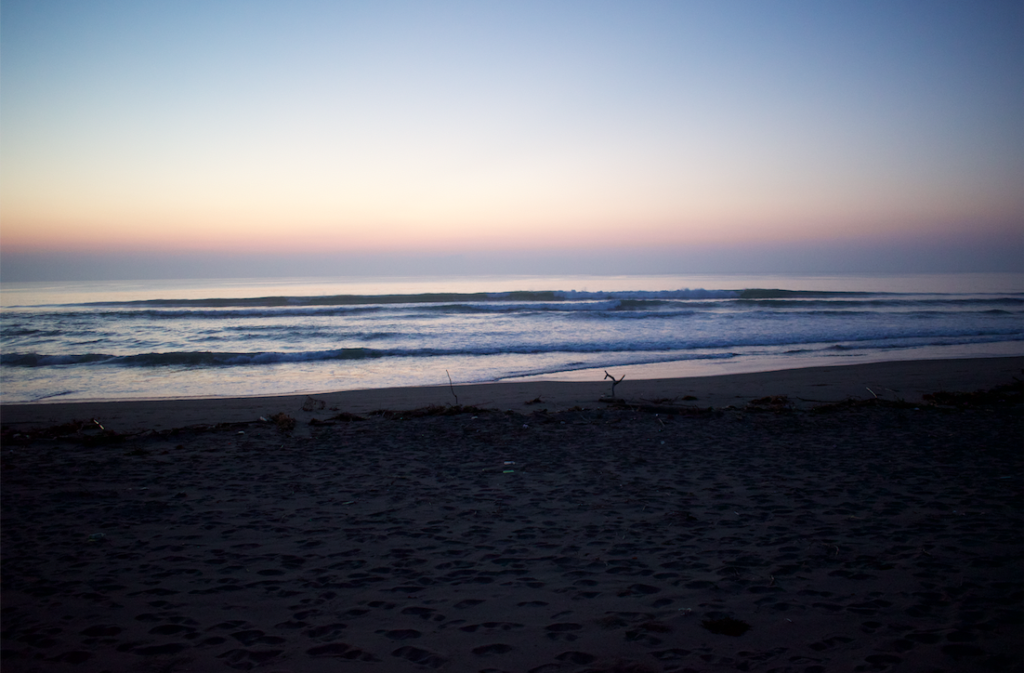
x=680, y=351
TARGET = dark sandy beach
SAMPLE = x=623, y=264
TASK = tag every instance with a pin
x=836, y=519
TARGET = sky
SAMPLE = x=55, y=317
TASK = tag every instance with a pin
x=249, y=138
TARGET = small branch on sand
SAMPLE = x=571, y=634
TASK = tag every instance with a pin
x=452, y=386
x=614, y=382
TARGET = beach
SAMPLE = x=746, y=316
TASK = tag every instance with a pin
x=849, y=518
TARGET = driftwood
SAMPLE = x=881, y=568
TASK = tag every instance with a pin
x=614, y=382
x=452, y=386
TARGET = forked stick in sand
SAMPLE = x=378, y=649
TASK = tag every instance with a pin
x=452, y=386
x=614, y=382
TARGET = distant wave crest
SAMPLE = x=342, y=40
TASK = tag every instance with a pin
x=422, y=298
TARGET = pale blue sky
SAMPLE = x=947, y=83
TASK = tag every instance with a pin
x=565, y=131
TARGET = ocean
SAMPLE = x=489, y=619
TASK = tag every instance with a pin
x=173, y=339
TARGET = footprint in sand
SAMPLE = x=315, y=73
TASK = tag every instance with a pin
x=881, y=662
x=341, y=651
x=211, y=641
x=421, y=657
x=423, y=613
x=926, y=638
x=254, y=636
x=639, y=590
x=563, y=631
x=174, y=629
x=401, y=634
x=245, y=659
x=495, y=648
x=673, y=654
x=223, y=626
x=382, y=604
x=326, y=632
x=406, y=589
x=355, y=612
x=75, y=657
x=491, y=627
x=829, y=643
x=102, y=631
x=468, y=603
x=160, y=650
x=578, y=658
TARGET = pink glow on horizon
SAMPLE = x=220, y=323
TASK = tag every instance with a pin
x=166, y=232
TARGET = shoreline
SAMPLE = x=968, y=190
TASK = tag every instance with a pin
x=805, y=387
x=763, y=363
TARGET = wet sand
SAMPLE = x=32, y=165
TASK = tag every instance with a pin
x=788, y=521
x=906, y=380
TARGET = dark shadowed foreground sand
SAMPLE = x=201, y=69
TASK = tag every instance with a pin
x=782, y=532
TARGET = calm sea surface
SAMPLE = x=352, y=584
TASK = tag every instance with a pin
x=160, y=339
